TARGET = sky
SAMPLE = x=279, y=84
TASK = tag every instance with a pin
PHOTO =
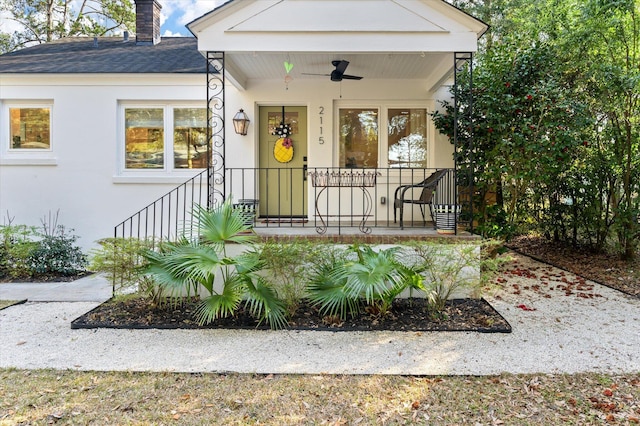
x=175, y=14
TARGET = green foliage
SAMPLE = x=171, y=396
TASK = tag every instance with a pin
x=122, y=261
x=57, y=254
x=447, y=270
x=361, y=275
x=17, y=242
x=46, y=20
x=287, y=267
x=26, y=252
x=556, y=108
x=184, y=267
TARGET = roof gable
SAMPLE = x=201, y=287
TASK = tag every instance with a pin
x=337, y=25
x=336, y=16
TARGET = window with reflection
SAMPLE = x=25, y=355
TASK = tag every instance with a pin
x=30, y=128
x=407, y=137
x=144, y=138
x=189, y=138
x=358, y=137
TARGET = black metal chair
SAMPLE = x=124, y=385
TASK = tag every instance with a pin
x=404, y=193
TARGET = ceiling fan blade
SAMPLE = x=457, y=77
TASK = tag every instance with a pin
x=351, y=77
x=310, y=73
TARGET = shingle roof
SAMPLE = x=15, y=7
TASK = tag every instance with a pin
x=78, y=55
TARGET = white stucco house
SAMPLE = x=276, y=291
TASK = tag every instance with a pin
x=338, y=94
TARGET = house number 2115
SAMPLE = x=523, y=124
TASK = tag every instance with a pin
x=320, y=115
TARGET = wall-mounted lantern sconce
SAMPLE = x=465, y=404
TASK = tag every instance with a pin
x=241, y=122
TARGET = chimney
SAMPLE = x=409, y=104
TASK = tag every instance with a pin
x=147, y=22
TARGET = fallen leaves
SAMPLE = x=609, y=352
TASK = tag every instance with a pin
x=604, y=268
x=547, y=281
x=525, y=308
x=166, y=398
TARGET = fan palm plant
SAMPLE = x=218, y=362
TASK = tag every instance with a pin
x=373, y=278
x=190, y=264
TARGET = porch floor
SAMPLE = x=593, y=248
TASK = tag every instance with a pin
x=381, y=234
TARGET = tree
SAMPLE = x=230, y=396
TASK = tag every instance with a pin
x=41, y=21
x=555, y=123
x=526, y=131
x=608, y=55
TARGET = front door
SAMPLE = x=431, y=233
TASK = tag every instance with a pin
x=283, y=160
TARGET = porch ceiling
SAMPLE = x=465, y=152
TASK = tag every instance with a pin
x=382, y=39
x=270, y=65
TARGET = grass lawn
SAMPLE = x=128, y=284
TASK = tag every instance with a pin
x=7, y=303
x=70, y=397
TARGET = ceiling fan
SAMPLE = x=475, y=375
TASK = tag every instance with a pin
x=338, y=74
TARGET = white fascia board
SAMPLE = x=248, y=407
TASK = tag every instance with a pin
x=229, y=13
x=338, y=42
x=455, y=19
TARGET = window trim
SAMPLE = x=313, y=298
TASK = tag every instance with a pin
x=383, y=108
x=168, y=172
x=25, y=157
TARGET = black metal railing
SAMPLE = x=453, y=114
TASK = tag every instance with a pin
x=168, y=217
x=322, y=197
x=334, y=197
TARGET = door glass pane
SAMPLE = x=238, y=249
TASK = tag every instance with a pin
x=407, y=137
x=30, y=128
x=190, y=138
x=144, y=138
x=358, y=137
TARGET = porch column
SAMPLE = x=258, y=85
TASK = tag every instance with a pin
x=216, y=168
x=463, y=136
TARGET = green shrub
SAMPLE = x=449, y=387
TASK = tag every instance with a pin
x=122, y=261
x=17, y=242
x=26, y=252
x=287, y=267
x=451, y=269
x=57, y=254
x=346, y=281
x=360, y=276
x=188, y=265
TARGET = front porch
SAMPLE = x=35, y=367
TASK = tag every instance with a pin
x=368, y=161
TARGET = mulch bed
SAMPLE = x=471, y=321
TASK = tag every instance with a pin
x=406, y=315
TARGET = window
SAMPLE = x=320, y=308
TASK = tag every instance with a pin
x=190, y=138
x=144, y=138
x=164, y=138
x=358, y=137
x=407, y=137
x=29, y=128
x=404, y=144
x=26, y=133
